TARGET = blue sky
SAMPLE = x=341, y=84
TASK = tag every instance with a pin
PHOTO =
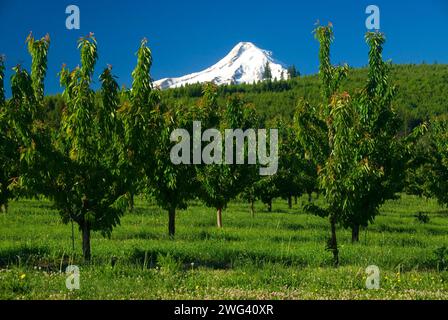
x=187, y=36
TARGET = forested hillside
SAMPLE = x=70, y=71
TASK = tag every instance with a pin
x=422, y=92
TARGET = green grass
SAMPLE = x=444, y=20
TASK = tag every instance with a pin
x=278, y=255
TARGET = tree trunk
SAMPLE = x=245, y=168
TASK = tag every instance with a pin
x=310, y=197
x=333, y=245
x=290, y=202
x=355, y=233
x=171, y=221
x=73, y=236
x=131, y=202
x=295, y=199
x=270, y=205
x=252, y=209
x=219, y=217
x=86, y=242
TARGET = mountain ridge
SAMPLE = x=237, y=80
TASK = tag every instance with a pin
x=245, y=63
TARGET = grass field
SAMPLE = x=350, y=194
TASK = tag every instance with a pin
x=278, y=255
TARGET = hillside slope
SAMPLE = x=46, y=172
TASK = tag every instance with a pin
x=422, y=92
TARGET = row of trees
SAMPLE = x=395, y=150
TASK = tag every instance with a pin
x=105, y=151
x=102, y=153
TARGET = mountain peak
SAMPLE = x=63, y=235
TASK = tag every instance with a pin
x=245, y=63
x=244, y=45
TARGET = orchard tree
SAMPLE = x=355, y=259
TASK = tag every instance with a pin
x=172, y=184
x=374, y=153
x=420, y=175
x=139, y=129
x=317, y=131
x=88, y=189
x=354, y=140
x=35, y=162
x=38, y=50
x=19, y=137
x=220, y=181
x=436, y=179
x=2, y=81
x=6, y=145
x=148, y=126
x=296, y=174
x=266, y=190
x=250, y=195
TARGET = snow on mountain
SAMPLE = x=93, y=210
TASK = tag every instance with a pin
x=245, y=63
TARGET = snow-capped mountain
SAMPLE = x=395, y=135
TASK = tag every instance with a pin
x=245, y=63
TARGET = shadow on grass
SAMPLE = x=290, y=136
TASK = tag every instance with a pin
x=204, y=224
x=320, y=238
x=436, y=230
x=394, y=228
x=293, y=226
x=222, y=260
x=274, y=211
x=21, y=256
x=204, y=235
x=36, y=205
x=37, y=257
x=142, y=235
x=144, y=210
x=440, y=213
